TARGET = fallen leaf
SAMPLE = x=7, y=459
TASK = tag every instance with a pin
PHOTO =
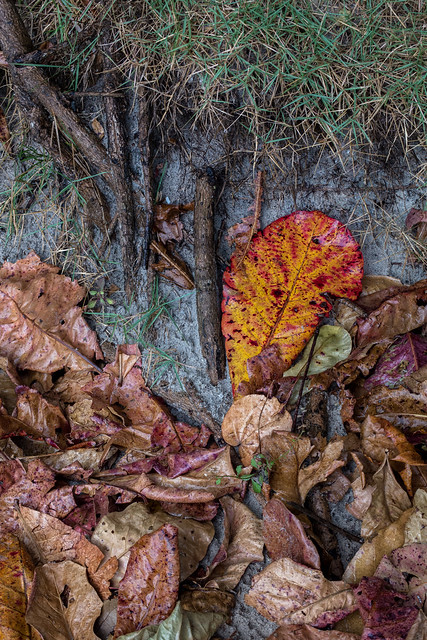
x=397, y=315
x=288, y=452
x=41, y=328
x=149, y=589
x=367, y=559
x=417, y=217
x=5, y=137
x=317, y=472
x=39, y=414
x=242, y=233
x=97, y=128
x=200, y=512
x=387, y=613
x=379, y=436
x=416, y=526
x=406, y=355
x=244, y=546
x=285, y=537
x=290, y=593
x=56, y=542
x=273, y=300
x=333, y=344
x=16, y=572
x=249, y=420
x=306, y=632
x=388, y=503
x=204, y=600
x=167, y=223
x=55, y=604
x=182, y=625
x=405, y=570
x=171, y=266
x=117, y=532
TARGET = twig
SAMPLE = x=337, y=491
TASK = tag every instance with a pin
x=205, y=276
x=307, y=367
x=259, y=181
x=174, y=263
x=326, y=523
x=144, y=149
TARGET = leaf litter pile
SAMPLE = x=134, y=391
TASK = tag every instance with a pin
x=107, y=502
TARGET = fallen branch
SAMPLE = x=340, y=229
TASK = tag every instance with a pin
x=208, y=309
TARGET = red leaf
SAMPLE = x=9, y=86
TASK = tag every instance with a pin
x=149, y=589
x=406, y=355
x=273, y=299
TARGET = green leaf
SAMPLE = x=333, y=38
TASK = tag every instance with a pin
x=91, y=304
x=218, y=481
x=256, y=486
x=333, y=344
x=239, y=469
x=181, y=625
x=256, y=463
x=93, y=293
x=109, y=301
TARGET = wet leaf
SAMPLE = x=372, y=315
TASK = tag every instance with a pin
x=388, y=503
x=273, y=300
x=367, y=559
x=333, y=344
x=290, y=593
x=149, y=589
x=249, y=420
x=285, y=537
x=181, y=625
x=406, y=355
x=244, y=545
x=117, y=532
x=55, y=606
x=16, y=573
x=41, y=328
x=397, y=315
x=387, y=613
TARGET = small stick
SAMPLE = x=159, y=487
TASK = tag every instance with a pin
x=326, y=523
x=205, y=276
x=310, y=357
x=259, y=180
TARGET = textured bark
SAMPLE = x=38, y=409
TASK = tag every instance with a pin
x=208, y=308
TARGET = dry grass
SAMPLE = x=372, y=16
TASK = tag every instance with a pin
x=289, y=72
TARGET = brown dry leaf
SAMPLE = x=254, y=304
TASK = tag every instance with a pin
x=39, y=414
x=362, y=498
x=205, y=600
x=245, y=544
x=97, y=128
x=367, y=559
x=172, y=267
x=416, y=526
x=5, y=137
x=41, y=328
x=317, y=472
x=306, y=632
x=149, y=589
x=117, y=532
x=56, y=542
x=69, y=388
x=379, y=435
x=249, y=420
x=372, y=284
x=3, y=61
x=288, y=452
x=399, y=314
x=285, y=537
x=16, y=573
x=167, y=223
x=62, y=603
x=388, y=503
x=290, y=593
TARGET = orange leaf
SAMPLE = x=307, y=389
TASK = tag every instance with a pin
x=16, y=573
x=273, y=299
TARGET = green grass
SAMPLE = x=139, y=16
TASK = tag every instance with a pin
x=289, y=71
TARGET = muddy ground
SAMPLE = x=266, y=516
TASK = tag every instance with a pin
x=372, y=195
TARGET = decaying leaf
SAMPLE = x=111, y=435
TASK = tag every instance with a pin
x=167, y=223
x=5, y=137
x=367, y=559
x=288, y=452
x=249, y=420
x=291, y=593
x=16, y=573
x=285, y=537
x=328, y=462
x=244, y=545
x=397, y=315
x=39, y=414
x=306, y=632
x=379, y=436
x=416, y=526
x=55, y=606
x=149, y=589
x=171, y=267
x=117, y=532
x=405, y=570
x=333, y=344
x=41, y=328
x=273, y=300
x=182, y=625
x=406, y=355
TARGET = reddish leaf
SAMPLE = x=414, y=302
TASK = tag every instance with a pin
x=39, y=414
x=387, y=614
x=149, y=589
x=285, y=537
x=406, y=355
x=201, y=512
x=306, y=632
x=272, y=302
x=41, y=328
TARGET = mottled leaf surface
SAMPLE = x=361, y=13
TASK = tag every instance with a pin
x=406, y=355
x=273, y=300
